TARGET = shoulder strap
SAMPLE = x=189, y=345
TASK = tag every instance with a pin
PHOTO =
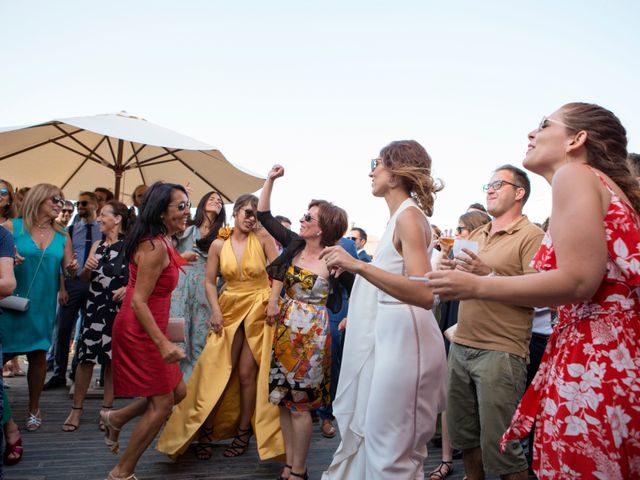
x=35, y=274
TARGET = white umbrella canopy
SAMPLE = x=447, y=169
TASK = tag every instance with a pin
x=119, y=152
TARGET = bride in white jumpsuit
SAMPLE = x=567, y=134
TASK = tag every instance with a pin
x=393, y=377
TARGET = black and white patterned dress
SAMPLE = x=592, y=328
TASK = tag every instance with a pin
x=111, y=274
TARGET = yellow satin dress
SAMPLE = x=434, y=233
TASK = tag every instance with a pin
x=243, y=301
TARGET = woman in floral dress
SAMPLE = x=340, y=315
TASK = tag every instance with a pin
x=301, y=359
x=585, y=398
x=189, y=299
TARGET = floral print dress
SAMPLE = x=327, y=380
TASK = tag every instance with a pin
x=585, y=398
x=301, y=356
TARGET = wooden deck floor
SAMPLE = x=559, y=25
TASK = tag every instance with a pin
x=51, y=454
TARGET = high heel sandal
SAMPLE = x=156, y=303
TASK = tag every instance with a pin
x=444, y=470
x=130, y=477
x=204, y=450
x=12, y=449
x=284, y=478
x=113, y=445
x=71, y=427
x=304, y=476
x=34, y=421
x=101, y=423
x=238, y=445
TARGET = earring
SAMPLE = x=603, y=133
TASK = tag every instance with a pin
x=318, y=234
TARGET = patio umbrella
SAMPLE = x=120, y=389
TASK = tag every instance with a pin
x=116, y=151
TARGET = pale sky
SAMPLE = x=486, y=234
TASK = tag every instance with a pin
x=320, y=87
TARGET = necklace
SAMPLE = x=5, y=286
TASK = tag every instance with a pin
x=43, y=225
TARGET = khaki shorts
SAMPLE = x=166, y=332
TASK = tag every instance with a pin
x=485, y=387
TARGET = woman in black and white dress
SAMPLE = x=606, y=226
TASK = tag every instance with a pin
x=107, y=271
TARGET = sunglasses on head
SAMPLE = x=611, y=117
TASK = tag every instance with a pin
x=57, y=199
x=4, y=192
x=307, y=217
x=182, y=206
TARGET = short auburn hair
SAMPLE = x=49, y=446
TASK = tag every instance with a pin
x=332, y=220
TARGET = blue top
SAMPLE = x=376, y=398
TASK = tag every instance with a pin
x=7, y=247
x=31, y=330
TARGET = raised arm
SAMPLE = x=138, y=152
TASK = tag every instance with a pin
x=277, y=231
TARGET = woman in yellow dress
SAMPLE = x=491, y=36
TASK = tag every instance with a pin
x=230, y=381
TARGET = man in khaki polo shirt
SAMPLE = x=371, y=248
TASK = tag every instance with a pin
x=487, y=360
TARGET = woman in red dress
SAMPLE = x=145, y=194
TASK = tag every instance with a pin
x=585, y=398
x=145, y=363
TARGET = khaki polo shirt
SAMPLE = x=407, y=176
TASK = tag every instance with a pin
x=499, y=326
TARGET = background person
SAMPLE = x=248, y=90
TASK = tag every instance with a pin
x=359, y=236
x=103, y=195
x=585, y=410
x=44, y=248
x=65, y=213
x=138, y=195
x=106, y=272
x=189, y=299
x=82, y=232
x=144, y=360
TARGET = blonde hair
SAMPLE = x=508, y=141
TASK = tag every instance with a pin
x=410, y=162
x=32, y=202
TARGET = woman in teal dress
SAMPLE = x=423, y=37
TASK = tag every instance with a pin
x=189, y=299
x=43, y=247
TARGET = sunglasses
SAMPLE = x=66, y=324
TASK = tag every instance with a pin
x=58, y=200
x=355, y=239
x=67, y=210
x=182, y=206
x=249, y=213
x=374, y=163
x=4, y=192
x=460, y=229
x=307, y=217
x=543, y=123
x=82, y=203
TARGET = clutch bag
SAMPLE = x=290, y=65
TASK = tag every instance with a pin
x=12, y=302
x=175, y=329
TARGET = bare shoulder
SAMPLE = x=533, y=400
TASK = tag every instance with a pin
x=573, y=175
x=216, y=246
x=153, y=249
x=412, y=220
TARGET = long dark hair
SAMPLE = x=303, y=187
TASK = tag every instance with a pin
x=149, y=223
x=204, y=243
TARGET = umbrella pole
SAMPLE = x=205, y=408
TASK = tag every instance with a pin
x=119, y=169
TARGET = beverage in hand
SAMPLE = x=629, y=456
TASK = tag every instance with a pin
x=446, y=242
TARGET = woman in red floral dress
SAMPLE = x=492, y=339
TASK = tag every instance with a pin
x=585, y=399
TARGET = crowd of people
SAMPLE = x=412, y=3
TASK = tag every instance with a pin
x=522, y=341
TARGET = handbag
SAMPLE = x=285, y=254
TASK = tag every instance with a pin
x=175, y=329
x=21, y=304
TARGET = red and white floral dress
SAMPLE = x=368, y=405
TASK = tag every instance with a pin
x=585, y=398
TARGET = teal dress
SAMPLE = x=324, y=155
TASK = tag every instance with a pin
x=31, y=330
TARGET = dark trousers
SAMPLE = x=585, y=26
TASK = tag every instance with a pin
x=537, y=346
x=66, y=320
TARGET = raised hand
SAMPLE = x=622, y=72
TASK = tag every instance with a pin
x=276, y=171
x=338, y=260
x=470, y=262
x=91, y=263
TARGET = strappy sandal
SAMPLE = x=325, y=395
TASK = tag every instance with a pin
x=71, y=427
x=34, y=421
x=304, y=476
x=204, y=450
x=130, y=477
x=101, y=423
x=238, y=445
x=444, y=470
x=13, y=449
x=113, y=445
x=284, y=478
